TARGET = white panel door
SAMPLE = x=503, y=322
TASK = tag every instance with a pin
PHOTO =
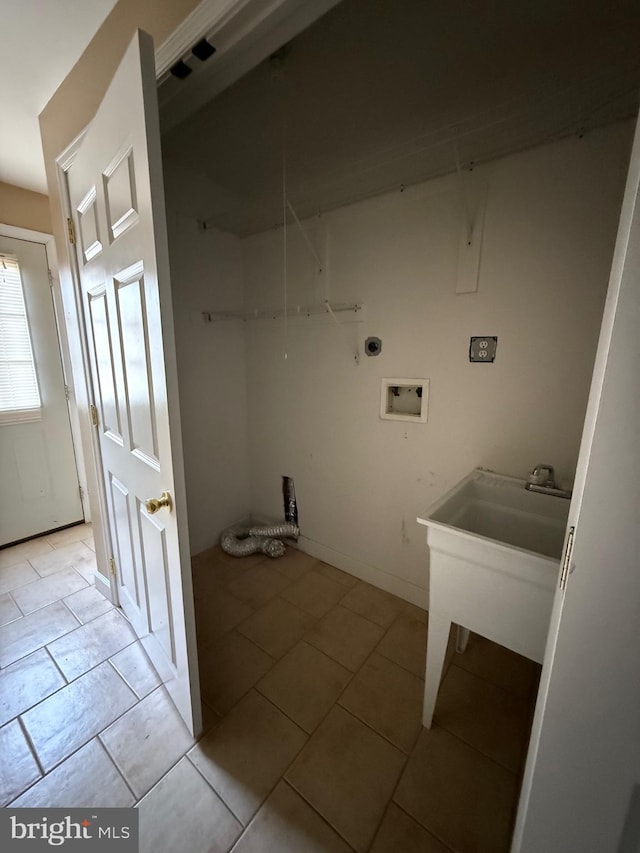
x=117, y=199
x=581, y=788
x=38, y=475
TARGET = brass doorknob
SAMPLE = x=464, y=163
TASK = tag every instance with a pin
x=154, y=504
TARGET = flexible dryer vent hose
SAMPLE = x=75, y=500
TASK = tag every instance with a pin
x=241, y=541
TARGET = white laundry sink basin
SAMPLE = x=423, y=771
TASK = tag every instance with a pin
x=499, y=508
x=494, y=551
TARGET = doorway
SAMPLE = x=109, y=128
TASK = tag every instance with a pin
x=40, y=488
x=459, y=438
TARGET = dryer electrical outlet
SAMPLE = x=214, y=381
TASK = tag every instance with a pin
x=483, y=349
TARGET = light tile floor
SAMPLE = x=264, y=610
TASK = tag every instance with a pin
x=312, y=690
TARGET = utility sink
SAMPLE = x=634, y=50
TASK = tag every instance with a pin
x=494, y=559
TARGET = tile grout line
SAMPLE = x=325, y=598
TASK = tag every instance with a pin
x=64, y=677
x=476, y=749
x=307, y=734
x=368, y=618
x=64, y=543
x=32, y=747
x=68, y=609
x=99, y=663
x=413, y=817
x=416, y=821
x=80, y=575
x=41, y=580
x=366, y=659
x=95, y=665
x=380, y=734
x=488, y=680
x=302, y=639
x=97, y=734
x=397, y=619
x=44, y=698
x=406, y=669
x=218, y=795
x=319, y=574
x=20, y=610
x=255, y=645
x=136, y=798
x=59, y=763
x=314, y=809
x=112, y=761
x=39, y=576
x=528, y=700
x=51, y=574
x=66, y=634
x=283, y=776
x=315, y=620
x=304, y=799
x=395, y=788
x=353, y=674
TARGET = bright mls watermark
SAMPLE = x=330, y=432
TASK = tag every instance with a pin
x=69, y=830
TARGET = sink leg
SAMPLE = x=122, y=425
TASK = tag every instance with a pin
x=462, y=638
x=438, y=637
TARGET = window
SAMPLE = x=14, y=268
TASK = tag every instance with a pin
x=19, y=394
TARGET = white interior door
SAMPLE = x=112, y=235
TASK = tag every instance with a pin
x=117, y=199
x=39, y=482
x=581, y=789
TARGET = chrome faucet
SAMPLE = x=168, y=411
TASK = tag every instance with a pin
x=542, y=475
x=543, y=479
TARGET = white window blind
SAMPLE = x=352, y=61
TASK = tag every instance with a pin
x=19, y=394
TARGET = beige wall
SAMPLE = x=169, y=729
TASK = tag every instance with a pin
x=24, y=208
x=75, y=101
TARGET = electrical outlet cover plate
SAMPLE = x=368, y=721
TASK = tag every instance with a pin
x=404, y=400
x=483, y=349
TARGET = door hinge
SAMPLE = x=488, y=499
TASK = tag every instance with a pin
x=566, y=563
x=81, y=492
x=112, y=567
x=94, y=415
x=71, y=231
x=50, y=274
x=66, y=392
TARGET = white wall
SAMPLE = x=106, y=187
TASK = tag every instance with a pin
x=549, y=234
x=206, y=274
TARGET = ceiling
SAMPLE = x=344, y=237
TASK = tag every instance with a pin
x=381, y=93
x=42, y=41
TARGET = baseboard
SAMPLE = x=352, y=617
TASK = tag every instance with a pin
x=377, y=577
x=103, y=585
x=365, y=572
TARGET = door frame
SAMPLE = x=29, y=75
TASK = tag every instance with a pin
x=208, y=17
x=48, y=242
